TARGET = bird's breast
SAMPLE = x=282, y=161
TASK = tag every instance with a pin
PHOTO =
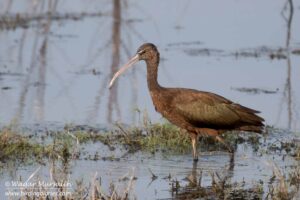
x=160, y=103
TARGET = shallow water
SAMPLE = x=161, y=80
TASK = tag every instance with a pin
x=57, y=68
x=248, y=167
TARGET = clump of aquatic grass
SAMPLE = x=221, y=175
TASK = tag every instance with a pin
x=221, y=188
x=84, y=137
x=285, y=188
x=64, y=189
x=95, y=191
x=16, y=147
x=294, y=178
x=281, y=186
x=90, y=134
x=166, y=137
x=63, y=145
x=297, y=153
x=155, y=137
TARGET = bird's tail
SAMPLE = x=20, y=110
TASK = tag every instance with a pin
x=250, y=120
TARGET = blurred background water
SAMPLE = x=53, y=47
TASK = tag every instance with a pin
x=57, y=57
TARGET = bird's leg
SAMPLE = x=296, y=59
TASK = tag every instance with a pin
x=194, y=138
x=192, y=178
x=220, y=139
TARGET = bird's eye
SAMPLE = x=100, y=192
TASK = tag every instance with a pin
x=141, y=52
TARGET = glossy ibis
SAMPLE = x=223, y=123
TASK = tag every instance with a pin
x=198, y=112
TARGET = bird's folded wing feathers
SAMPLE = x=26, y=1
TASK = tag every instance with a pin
x=205, y=110
x=199, y=113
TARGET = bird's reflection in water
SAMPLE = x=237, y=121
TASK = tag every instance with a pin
x=194, y=188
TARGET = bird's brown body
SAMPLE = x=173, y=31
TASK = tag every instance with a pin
x=203, y=112
x=197, y=112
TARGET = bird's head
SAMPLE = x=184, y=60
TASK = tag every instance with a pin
x=147, y=51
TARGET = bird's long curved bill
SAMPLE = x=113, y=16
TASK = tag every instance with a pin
x=130, y=63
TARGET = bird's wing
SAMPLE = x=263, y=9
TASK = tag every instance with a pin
x=206, y=109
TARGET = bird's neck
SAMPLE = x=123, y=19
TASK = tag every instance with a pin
x=152, y=68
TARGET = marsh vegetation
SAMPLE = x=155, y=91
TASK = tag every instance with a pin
x=59, y=150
